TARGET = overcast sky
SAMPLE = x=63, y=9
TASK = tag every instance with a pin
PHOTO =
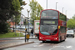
x=69, y=6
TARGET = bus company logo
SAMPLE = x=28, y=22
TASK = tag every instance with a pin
x=63, y=23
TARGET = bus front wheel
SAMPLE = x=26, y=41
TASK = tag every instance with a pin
x=59, y=39
x=43, y=41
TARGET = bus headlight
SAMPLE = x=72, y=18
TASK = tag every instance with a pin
x=41, y=38
x=55, y=38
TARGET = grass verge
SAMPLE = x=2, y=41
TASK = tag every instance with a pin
x=11, y=34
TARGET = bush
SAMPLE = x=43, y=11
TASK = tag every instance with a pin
x=11, y=34
x=4, y=27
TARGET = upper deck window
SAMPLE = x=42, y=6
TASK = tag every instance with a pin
x=62, y=17
x=49, y=14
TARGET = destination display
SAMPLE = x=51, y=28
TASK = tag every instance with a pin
x=49, y=22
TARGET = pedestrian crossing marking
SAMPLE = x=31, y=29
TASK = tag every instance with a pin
x=41, y=45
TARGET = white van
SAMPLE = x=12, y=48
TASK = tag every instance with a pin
x=70, y=33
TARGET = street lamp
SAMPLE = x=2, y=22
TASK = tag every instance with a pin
x=56, y=5
x=62, y=9
x=46, y=4
x=25, y=26
x=66, y=12
x=28, y=21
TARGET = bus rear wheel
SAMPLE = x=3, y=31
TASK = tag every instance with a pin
x=64, y=38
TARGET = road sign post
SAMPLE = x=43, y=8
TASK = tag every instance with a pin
x=25, y=30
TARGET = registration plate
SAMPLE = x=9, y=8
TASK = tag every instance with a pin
x=47, y=39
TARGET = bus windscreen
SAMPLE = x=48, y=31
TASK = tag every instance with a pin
x=48, y=27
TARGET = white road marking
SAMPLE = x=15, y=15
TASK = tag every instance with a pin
x=41, y=45
x=65, y=47
x=68, y=46
x=36, y=43
x=35, y=46
x=58, y=46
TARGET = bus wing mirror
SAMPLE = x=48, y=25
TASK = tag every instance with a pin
x=58, y=27
x=39, y=23
x=38, y=27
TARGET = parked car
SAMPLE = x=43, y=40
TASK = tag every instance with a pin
x=70, y=33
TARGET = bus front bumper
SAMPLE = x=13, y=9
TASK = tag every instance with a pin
x=49, y=39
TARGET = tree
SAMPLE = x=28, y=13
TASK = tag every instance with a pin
x=5, y=10
x=35, y=10
x=8, y=9
x=39, y=8
x=73, y=17
x=16, y=7
x=71, y=23
x=5, y=14
x=22, y=2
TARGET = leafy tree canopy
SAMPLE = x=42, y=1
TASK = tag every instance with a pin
x=71, y=23
x=35, y=10
x=73, y=17
x=8, y=9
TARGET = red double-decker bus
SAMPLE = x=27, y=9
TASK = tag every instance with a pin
x=53, y=25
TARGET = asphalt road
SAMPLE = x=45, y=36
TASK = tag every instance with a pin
x=69, y=44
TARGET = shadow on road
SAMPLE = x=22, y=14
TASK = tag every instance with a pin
x=1, y=49
x=52, y=42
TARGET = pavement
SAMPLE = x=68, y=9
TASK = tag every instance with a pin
x=8, y=42
x=15, y=41
x=14, y=44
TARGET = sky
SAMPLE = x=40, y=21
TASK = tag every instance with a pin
x=68, y=6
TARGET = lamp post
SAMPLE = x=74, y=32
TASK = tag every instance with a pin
x=28, y=21
x=46, y=4
x=66, y=12
x=25, y=26
x=56, y=5
x=62, y=9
